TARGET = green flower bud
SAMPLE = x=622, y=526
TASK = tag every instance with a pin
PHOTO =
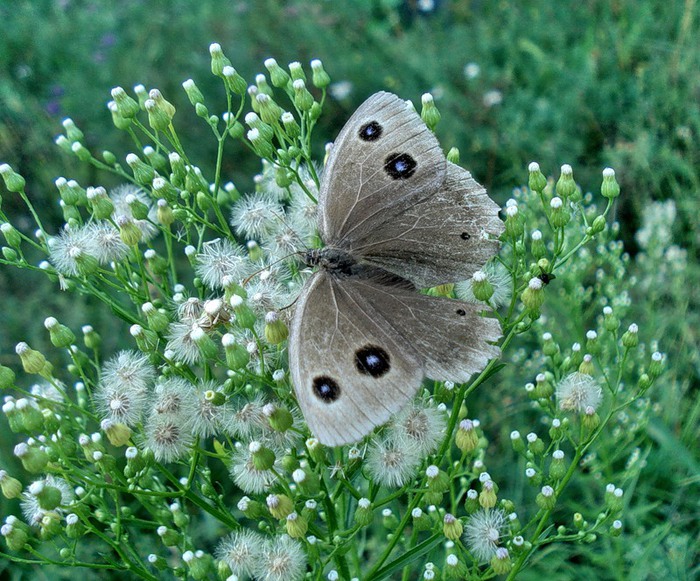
x=29, y=416
x=15, y=537
x=169, y=537
x=9, y=254
x=91, y=338
x=481, y=286
x=32, y=361
x=263, y=458
x=81, y=152
x=630, y=339
x=296, y=525
x=100, y=203
x=610, y=188
x=453, y=155
x=598, y=225
x=610, y=322
x=146, y=340
x=657, y=364
x=471, y=502
x=237, y=356
x=34, y=460
x=546, y=499
x=429, y=112
x=262, y=147
x=558, y=467
x=302, y=98
x=245, y=317
x=536, y=180
x=11, y=235
x=11, y=487
x=270, y=112
x=500, y=562
x=452, y=528
x=279, y=505
x=537, y=246
x=234, y=82
x=297, y=71
x=218, y=60
x=13, y=181
x=535, y=444
x=319, y=77
x=158, y=119
x=579, y=522
x=120, y=122
x=466, y=437
x=616, y=528
x=118, y=434
x=438, y=480
x=533, y=295
x=193, y=93
x=389, y=520
x=517, y=442
x=487, y=496
x=72, y=132
x=276, y=330
x=455, y=569
x=566, y=186
x=127, y=107
x=364, y=514
x=586, y=366
x=614, y=498
x=61, y=336
x=514, y=223
x=278, y=75
x=252, y=509
x=143, y=174
x=129, y=232
x=559, y=215
x=7, y=378
x=644, y=382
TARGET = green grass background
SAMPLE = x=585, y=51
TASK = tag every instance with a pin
x=591, y=83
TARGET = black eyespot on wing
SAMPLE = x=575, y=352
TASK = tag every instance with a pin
x=400, y=166
x=461, y=312
x=465, y=236
x=370, y=131
x=326, y=388
x=372, y=360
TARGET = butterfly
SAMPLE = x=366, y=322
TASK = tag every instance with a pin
x=395, y=217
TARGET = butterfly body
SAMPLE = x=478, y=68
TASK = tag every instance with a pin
x=395, y=217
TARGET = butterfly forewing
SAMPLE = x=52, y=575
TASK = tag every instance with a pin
x=383, y=160
x=444, y=238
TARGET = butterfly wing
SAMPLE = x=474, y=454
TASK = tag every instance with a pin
x=359, y=351
x=351, y=371
x=384, y=160
x=453, y=339
x=444, y=238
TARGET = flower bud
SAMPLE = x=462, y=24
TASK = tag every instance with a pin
x=364, y=514
x=12, y=236
x=233, y=81
x=533, y=295
x=278, y=75
x=60, y=335
x=500, y=562
x=13, y=181
x=466, y=438
x=566, y=186
x=453, y=155
x=630, y=339
x=193, y=93
x=245, y=317
x=118, y=434
x=546, y=499
x=33, y=459
x=296, y=525
x=514, y=223
x=32, y=361
x=276, y=330
x=319, y=77
x=169, y=537
x=11, y=487
x=429, y=112
x=279, y=505
x=610, y=188
x=536, y=180
x=557, y=468
x=127, y=107
x=263, y=458
x=252, y=509
x=657, y=364
x=302, y=98
x=15, y=537
x=218, y=60
x=451, y=527
x=297, y=71
x=559, y=215
x=237, y=356
x=99, y=203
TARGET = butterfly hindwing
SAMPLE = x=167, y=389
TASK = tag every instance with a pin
x=351, y=371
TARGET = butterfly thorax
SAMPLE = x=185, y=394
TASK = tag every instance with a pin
x=334, y=260
x=341, y=264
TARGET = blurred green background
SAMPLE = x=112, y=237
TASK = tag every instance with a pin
x=589, y=83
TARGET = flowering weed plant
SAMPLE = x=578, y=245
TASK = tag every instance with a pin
x=185, y=455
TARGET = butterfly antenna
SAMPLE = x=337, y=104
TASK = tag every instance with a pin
x=257, y=272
